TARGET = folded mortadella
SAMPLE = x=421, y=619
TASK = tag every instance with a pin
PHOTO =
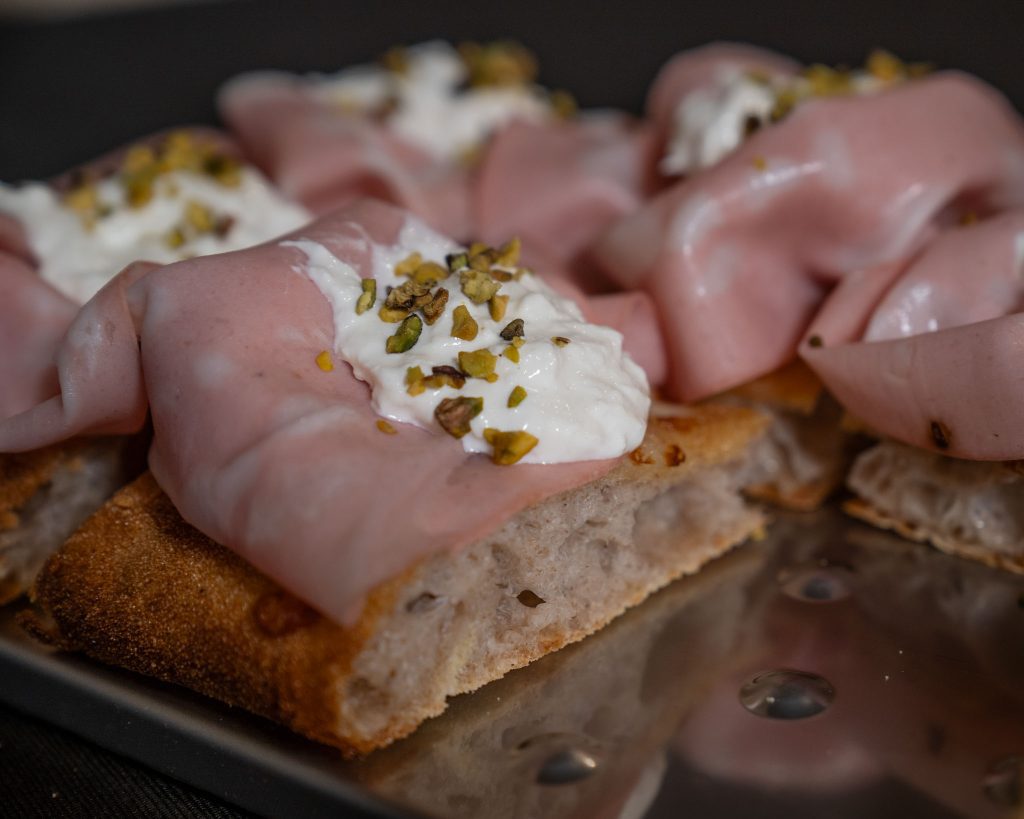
x=560, y=185
x=256, y=445
x=739, y=257
x=326, y=158
x=33, y=318
x=933, y=359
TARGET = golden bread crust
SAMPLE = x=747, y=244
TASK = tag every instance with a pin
x=793, y=386
x=862, y=510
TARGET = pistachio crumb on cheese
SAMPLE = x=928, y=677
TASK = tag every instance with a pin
x=457, y=362
x=509, y=447
x=172, y=197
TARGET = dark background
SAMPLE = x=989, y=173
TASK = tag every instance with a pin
x=72, y=89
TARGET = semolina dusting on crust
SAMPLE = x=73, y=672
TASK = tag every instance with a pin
x=138, y=587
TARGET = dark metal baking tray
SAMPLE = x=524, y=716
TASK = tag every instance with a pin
x=900, y=696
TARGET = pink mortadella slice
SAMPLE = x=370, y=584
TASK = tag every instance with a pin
x=255, y=444
x=326, y=158
x=33, y=319
x=559, y=185
x=739, y=257
x=935, y=360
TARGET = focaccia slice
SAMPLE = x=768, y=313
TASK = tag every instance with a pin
x=138, y=587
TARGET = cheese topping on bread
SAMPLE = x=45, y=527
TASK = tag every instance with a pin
x=467, y=342
x=176, y=199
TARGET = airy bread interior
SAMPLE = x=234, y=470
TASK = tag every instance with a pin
x=974, y=509
x=46, y=494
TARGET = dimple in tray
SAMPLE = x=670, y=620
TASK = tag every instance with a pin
x=830, y=670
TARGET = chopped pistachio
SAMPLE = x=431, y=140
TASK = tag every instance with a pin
x=559, y=341
x=479, y=364
x=785, y=102
x=563, y=104
x=501, y=63
x=759, y=163
x=514, y=329
x=324, y=361
x=509, y=447
x=402, y=300
x=454, y=414
x=464, y=326
x=885, y=66
x=406, y=336
x=481, y=262
x=434, y=308
x=516, y=397
x=178, y=151
x=511, y=353
x=395, y=60
x=477, y=248
x=199, y=216
x=497, y=306
x=391, y=316
x=84, y=200
x=174, y=238
x=518, y=342
x=445, y=376
x=414, y=381
x=138, y=186
x=368, y=297
x=429, y=273
x=508, y=253
x=408, y=296
x=224, y=169
x=457, y=261
x=478, y=286
x=385, y=427
x=500, y=275
x=408, y=265
x=138, y=158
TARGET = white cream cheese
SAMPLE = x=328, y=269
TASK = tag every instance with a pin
x=79, y=260
x=585, y=400
x=711, y=122
x=429, y=107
